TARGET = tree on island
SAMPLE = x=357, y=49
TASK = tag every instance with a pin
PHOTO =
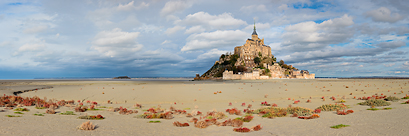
x=257, y=60
x=281, y=62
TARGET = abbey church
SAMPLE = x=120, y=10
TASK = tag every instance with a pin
x=253, y=48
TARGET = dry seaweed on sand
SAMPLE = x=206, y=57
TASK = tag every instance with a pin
x=86, y=126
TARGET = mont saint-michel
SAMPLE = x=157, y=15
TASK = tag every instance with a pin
x=253, y=60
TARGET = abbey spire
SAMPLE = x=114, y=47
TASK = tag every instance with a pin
x=254, y=31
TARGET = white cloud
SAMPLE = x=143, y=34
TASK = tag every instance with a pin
x=383, y=14
x=406, y=63
x=130, y=6
x=283, y=7
x=29, y=48
x=173, y=30
x=166, y=42
x=389, y=65
x=195, y=29
x=216, y=39
x=116, y=42
x=210, y=55
x=36, y=29
x=5, y=43
x=310, y=35
x=253, y=8
x=149, y=28
x=175, y=6
x=222, y=21
x=57, y=35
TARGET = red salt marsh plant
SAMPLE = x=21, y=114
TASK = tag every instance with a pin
x=249, y=106
x=233, y=111
x=257, y=128
x=313, y=116
x=241, y=129
x=344, y=113
x=265, y=103
x=243, y=104
x=248, y=111
x=178, y=124
x=80, y=109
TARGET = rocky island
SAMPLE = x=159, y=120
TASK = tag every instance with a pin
x=253, y=60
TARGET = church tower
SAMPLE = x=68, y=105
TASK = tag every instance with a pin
x=254, y=36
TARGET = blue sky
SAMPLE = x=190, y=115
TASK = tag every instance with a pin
x=179, y=38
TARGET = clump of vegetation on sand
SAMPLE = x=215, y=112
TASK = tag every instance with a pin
x=17, y=112
x=372, y=109
x=21, y=109
x=375, y=102
x=339, y=126
x=332, y=107
x=246, y=118
x=392, y=98
x=68, y=113
x=38, y=115
x=271, y=112
x=166, y=115
x=156, y=121
x=91, y=117
x=13, y=116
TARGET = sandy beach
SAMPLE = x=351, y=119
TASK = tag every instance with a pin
x=200, y=95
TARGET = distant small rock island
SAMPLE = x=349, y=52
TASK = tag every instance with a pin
x=122, y=77
x=253, y=60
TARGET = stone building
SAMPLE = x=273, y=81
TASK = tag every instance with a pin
x=253, y=48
